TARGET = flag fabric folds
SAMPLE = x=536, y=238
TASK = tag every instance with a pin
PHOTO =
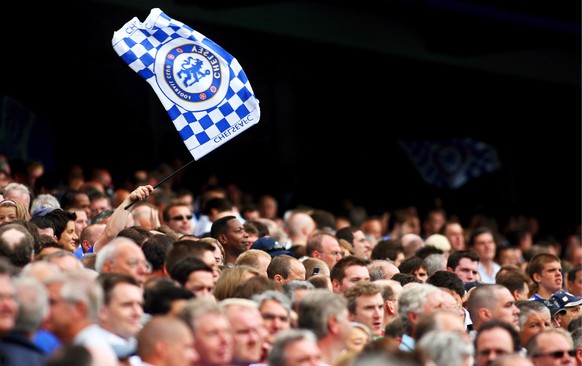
x=202, y=87
x=451, y=163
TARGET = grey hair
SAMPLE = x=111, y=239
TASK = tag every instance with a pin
x=197, y=308
x=283, y=339
x=412, y=299
x=33, y=304
x=316, y=307
x=528, y=307
x=290, y=287
x=80, y=286
x=273, y=295
x=457, y=347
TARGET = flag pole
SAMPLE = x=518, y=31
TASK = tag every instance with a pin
x=164, y=180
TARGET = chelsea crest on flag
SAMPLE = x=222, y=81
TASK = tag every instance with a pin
x=202, y=87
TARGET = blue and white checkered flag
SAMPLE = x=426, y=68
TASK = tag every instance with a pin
x=202, y=87
x=451, y=163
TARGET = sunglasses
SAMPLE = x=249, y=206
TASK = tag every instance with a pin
x=181, y=217
x=556, y=354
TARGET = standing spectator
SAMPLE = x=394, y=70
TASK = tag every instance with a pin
x=456, y=235
x=482, y=241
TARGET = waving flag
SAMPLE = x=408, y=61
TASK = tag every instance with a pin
x=202, y=87
x=451, y=163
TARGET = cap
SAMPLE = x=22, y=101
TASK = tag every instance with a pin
x=554, y=309
x=271, y=246
x=42, y=210
x=564, y=299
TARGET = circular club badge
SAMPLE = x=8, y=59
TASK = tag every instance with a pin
x=191, y=76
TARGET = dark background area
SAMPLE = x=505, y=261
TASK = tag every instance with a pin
x=339, y=85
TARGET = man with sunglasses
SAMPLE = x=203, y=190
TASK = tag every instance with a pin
x=552, y=346
x=178, y=217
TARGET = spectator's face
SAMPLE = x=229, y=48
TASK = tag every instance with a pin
x=490, y=344
x=8, y=212
x=550, y=277
x=69, y=238
x=421, y=274
x=237, y=239
x=505, y=308
x=485, y=246
x=99, y=205
x=370, y=311
x=330, y=252
x=180, y=219
x=81, y=222
x=213, y=339
x=248, y=334
x=467, y=270
x=352, y=275
x=200, y=283
x=275, y=318
x=548, y=343
x=362, y=247
x=8, y=305
x=130, y=260
x=535, y=323
x=454, y=232
x=122, y=316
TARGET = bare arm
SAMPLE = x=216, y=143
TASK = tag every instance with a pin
x=118, y=219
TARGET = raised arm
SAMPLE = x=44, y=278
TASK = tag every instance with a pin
x=118, y=219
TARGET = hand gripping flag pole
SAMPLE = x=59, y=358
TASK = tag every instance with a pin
x=202, y=87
